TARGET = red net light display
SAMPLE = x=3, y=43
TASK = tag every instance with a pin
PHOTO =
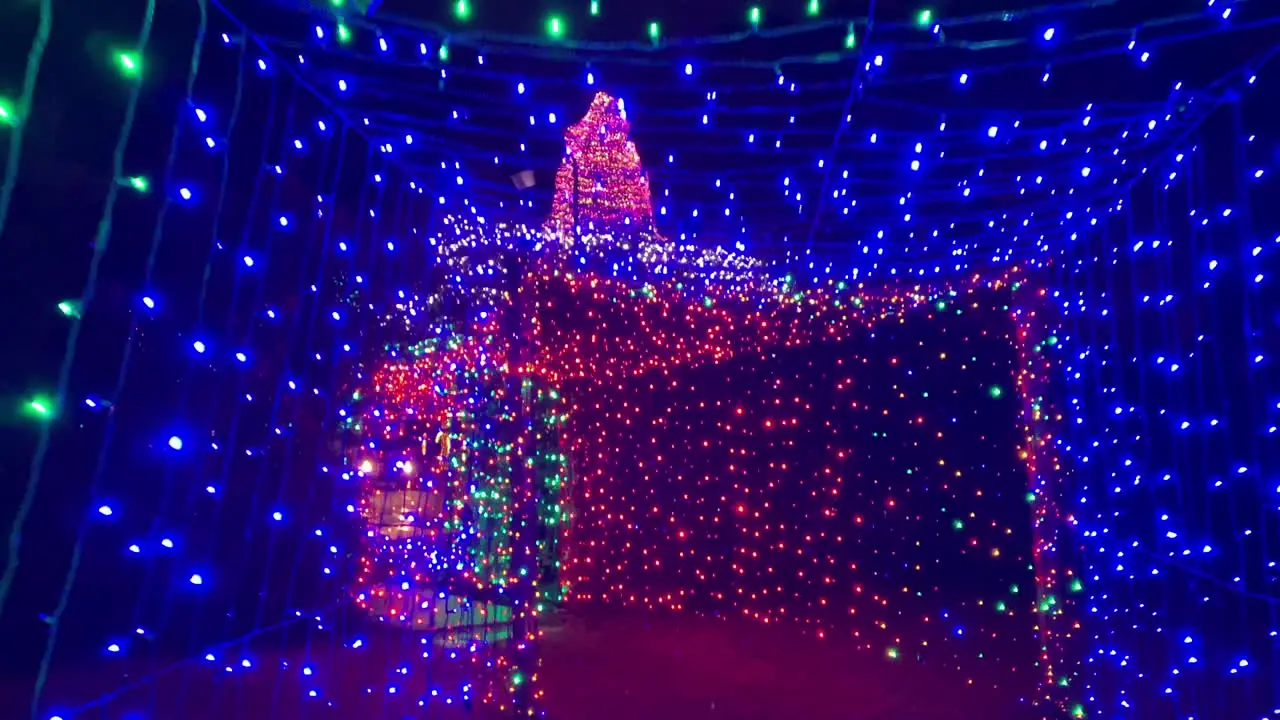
x=751, y=500
x=680, y=508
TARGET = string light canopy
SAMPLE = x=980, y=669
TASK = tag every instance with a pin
x=761, y=431
x=920, y=167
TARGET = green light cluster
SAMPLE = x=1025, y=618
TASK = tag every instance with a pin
x=556, y=24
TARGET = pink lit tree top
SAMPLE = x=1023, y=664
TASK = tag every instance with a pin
x=601, y=186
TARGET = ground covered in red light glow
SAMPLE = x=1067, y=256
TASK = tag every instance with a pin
x=596, y=663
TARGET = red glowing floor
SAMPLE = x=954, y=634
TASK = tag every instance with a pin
x=616, y=665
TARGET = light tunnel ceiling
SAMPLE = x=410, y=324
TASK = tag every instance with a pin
x=907, y=146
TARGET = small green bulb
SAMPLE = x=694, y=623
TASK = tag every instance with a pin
x=70, y=308
x=129, y=64
x=40, y=407
x=655, y=31
x=555, y=26
x=462, y=9
x=814, y=8
x=753, y=16
x=7, y=114
x=595, y=8
x=139, y=183
x=924, y=18
x=344, y=34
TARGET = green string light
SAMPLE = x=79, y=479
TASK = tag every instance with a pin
x=595, y=8
x=555, y=26
x=462, y=10
x=924, y=18
x=129, y=64
x=344, y=34
x=655, y=31
x=814, y=8
x=139, y=183
x=443, y=53
x=8, y=116
x=40, y=407
x=70, y=308
x=753, y=16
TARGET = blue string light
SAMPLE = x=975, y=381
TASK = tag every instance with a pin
x=1136, y=224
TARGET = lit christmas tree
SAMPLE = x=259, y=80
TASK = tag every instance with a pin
x=601, y=186
x=603, y=208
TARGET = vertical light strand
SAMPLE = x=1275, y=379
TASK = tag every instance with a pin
x=102, y=238
x=35, y=57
